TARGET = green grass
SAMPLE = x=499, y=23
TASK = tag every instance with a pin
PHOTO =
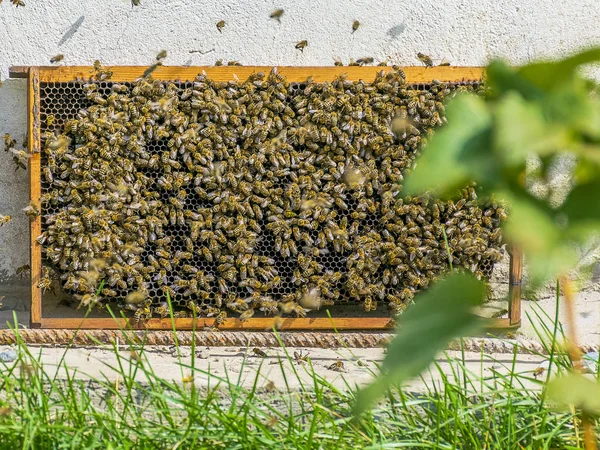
x=461, y=410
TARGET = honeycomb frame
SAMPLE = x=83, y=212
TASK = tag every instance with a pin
x=65, y=74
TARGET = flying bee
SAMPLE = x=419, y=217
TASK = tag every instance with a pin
x=220, y=25
x=353, y=177
x=355, y=26
x=277, y=15
x=135, y=298
x=366, y=60
x=311, y=299
x=32, y=210
x=4, y=220
x=20, y=158
x=426, y=60
x=151, y=69
x=57, y=58
x=23, y=271
x=161, y=55
x=301, y=45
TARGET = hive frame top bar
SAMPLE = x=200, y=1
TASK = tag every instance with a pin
x=418, y=74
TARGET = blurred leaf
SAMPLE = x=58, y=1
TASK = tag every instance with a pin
x=578, y=390
x=530, y=222
x=571, y=106
x=457, y=153
x=520, y=130
x=532, y=226
x=582, y=206
x=502, y=78
x=439, y=314
x=548, y=75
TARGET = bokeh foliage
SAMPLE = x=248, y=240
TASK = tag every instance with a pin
x=542, y=110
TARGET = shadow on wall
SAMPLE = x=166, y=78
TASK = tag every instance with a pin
x=71, y=31
x=14, y=192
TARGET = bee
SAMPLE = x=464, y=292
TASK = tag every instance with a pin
x=135, y=3
x=277, y=14
x=258, y=352
x=18, y=3
x=4, y=220
x=151, y=69
x=135, y=298
x=337, y=366
x=301, y=357
x=20, y=158
x=162, y=310
x=301, y=45
x=50, y=119
x=355, y=26
x=220, y=319
x=270, y=386
x=32, y=210
x=23, y=271
x=353, y=177
x=366, y=60
x=161, y=55
x=57, y=58
x=370, y=304
x=426, y=60
x=246, y=315
x=220, y=25
x=444, y=63
x=9, y=142
x=311, y=299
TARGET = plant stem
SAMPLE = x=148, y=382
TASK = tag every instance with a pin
x=575, y=356
x=447, y=246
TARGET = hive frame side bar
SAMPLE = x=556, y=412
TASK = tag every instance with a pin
x=33, y=139
x=292, y=74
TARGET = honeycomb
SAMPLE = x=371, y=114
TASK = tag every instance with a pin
x=257, y=195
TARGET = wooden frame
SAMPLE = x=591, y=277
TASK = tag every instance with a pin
x=35, y=75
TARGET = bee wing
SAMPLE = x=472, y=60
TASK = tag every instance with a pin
x=20, y=153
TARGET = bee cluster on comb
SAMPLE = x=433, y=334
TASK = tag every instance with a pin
x=249, y=196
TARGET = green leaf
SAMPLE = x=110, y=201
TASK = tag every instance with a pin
x=502, y=78
x=530, y=222
x=582, y=207
x=456, y=154
x=571, y=106
x=532, y=225
x=440, y=314
x=520, y=130
x=548, y=75
x=577, y=390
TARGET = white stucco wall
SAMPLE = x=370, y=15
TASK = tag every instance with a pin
x=467, y=32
